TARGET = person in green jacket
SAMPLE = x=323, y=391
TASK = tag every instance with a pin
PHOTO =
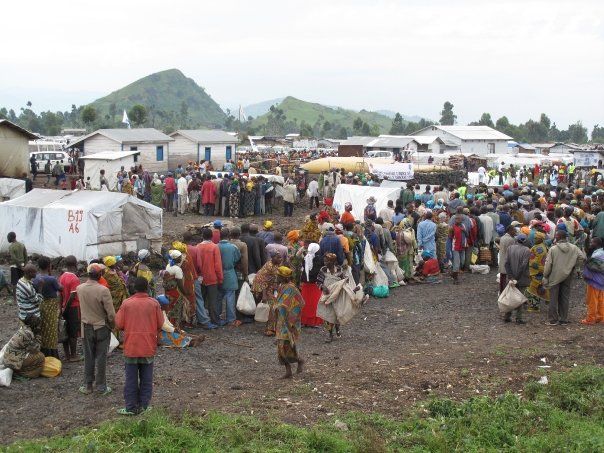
x=407, y=195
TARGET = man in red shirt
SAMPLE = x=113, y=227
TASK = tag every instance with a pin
x=209, y=263
x=141, y=320
x=208, y=196
x=170, y=191
x=203, y=318
x=70, y=307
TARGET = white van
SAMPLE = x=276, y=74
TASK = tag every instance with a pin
x=383, y=154
x=54, y=156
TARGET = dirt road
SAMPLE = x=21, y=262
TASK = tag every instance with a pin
x=426, y=339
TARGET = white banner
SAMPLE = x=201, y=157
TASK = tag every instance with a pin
x=394, y=172
x=586, y=159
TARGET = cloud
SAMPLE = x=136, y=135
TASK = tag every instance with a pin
x=518, y=58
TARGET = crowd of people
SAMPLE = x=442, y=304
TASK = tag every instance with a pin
x=539, y=236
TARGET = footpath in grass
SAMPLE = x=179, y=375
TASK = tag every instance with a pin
x=565, y=415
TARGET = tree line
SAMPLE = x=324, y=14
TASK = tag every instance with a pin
x=50, y=123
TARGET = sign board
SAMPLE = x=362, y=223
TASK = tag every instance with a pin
x=393, y=172
x=586, y=159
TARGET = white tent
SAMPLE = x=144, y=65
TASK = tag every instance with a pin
x=358, y=195
x=11, y=188
x=86, y=224
x=111, y=162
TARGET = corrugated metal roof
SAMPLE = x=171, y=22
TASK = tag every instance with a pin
x=525, y=146
x=357, y=141
x=140, y=135
x=391, y=141
x=110, y=155
x=206, y=136
x=471, y=132
x=475, y=132
x=427, y=139
x=13, y=126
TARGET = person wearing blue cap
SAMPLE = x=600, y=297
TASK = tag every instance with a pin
x=216, y=231
x=517, y=268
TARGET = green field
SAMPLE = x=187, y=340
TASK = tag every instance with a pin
x=565, y=415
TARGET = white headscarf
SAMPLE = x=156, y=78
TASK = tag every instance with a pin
x=310, y=256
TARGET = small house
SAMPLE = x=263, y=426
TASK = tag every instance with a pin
x=480, y=140
x=564, y=148
x=14, y=149
x=152, y=145
x=196, y=145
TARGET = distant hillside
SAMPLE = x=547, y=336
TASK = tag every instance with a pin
x=392, y=113
x=163, y=93
x=260, y=108
x=310, y=112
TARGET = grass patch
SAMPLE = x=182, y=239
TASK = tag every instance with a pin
x=565, y=415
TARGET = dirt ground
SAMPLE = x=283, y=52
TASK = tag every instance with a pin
x=423, y=340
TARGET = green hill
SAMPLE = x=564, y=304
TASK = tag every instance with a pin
x=297, y=111
x=163, y=94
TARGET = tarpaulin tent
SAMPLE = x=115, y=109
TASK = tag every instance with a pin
x=86, y=224
x=11, y=188
x=111, y=162
x=358, y=195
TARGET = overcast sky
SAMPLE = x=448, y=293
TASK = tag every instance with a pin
x=517, y=58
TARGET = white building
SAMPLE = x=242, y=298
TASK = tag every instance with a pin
x=480, y=140
x=151, y=144
x=196, y=145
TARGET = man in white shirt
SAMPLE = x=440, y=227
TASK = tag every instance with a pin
x=387, y=213
x=313, y=192
x=181, y=187
x=481, y=174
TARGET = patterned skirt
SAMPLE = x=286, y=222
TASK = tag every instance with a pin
x=234, y=205
x=286, y=352
x=49, y=314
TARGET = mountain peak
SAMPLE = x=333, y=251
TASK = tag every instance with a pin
x=164, y=92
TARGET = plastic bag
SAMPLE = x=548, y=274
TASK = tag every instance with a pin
x=381, y=291
x=389, y=257
x=262, y=312
x=510, y=298
x=474, y=257
x=6, y=374
x=380, y=278
x=52, y=367
x=368, y=261
x=250, y=279
x=113, y=343
x=245, y=302
x=480, y=268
